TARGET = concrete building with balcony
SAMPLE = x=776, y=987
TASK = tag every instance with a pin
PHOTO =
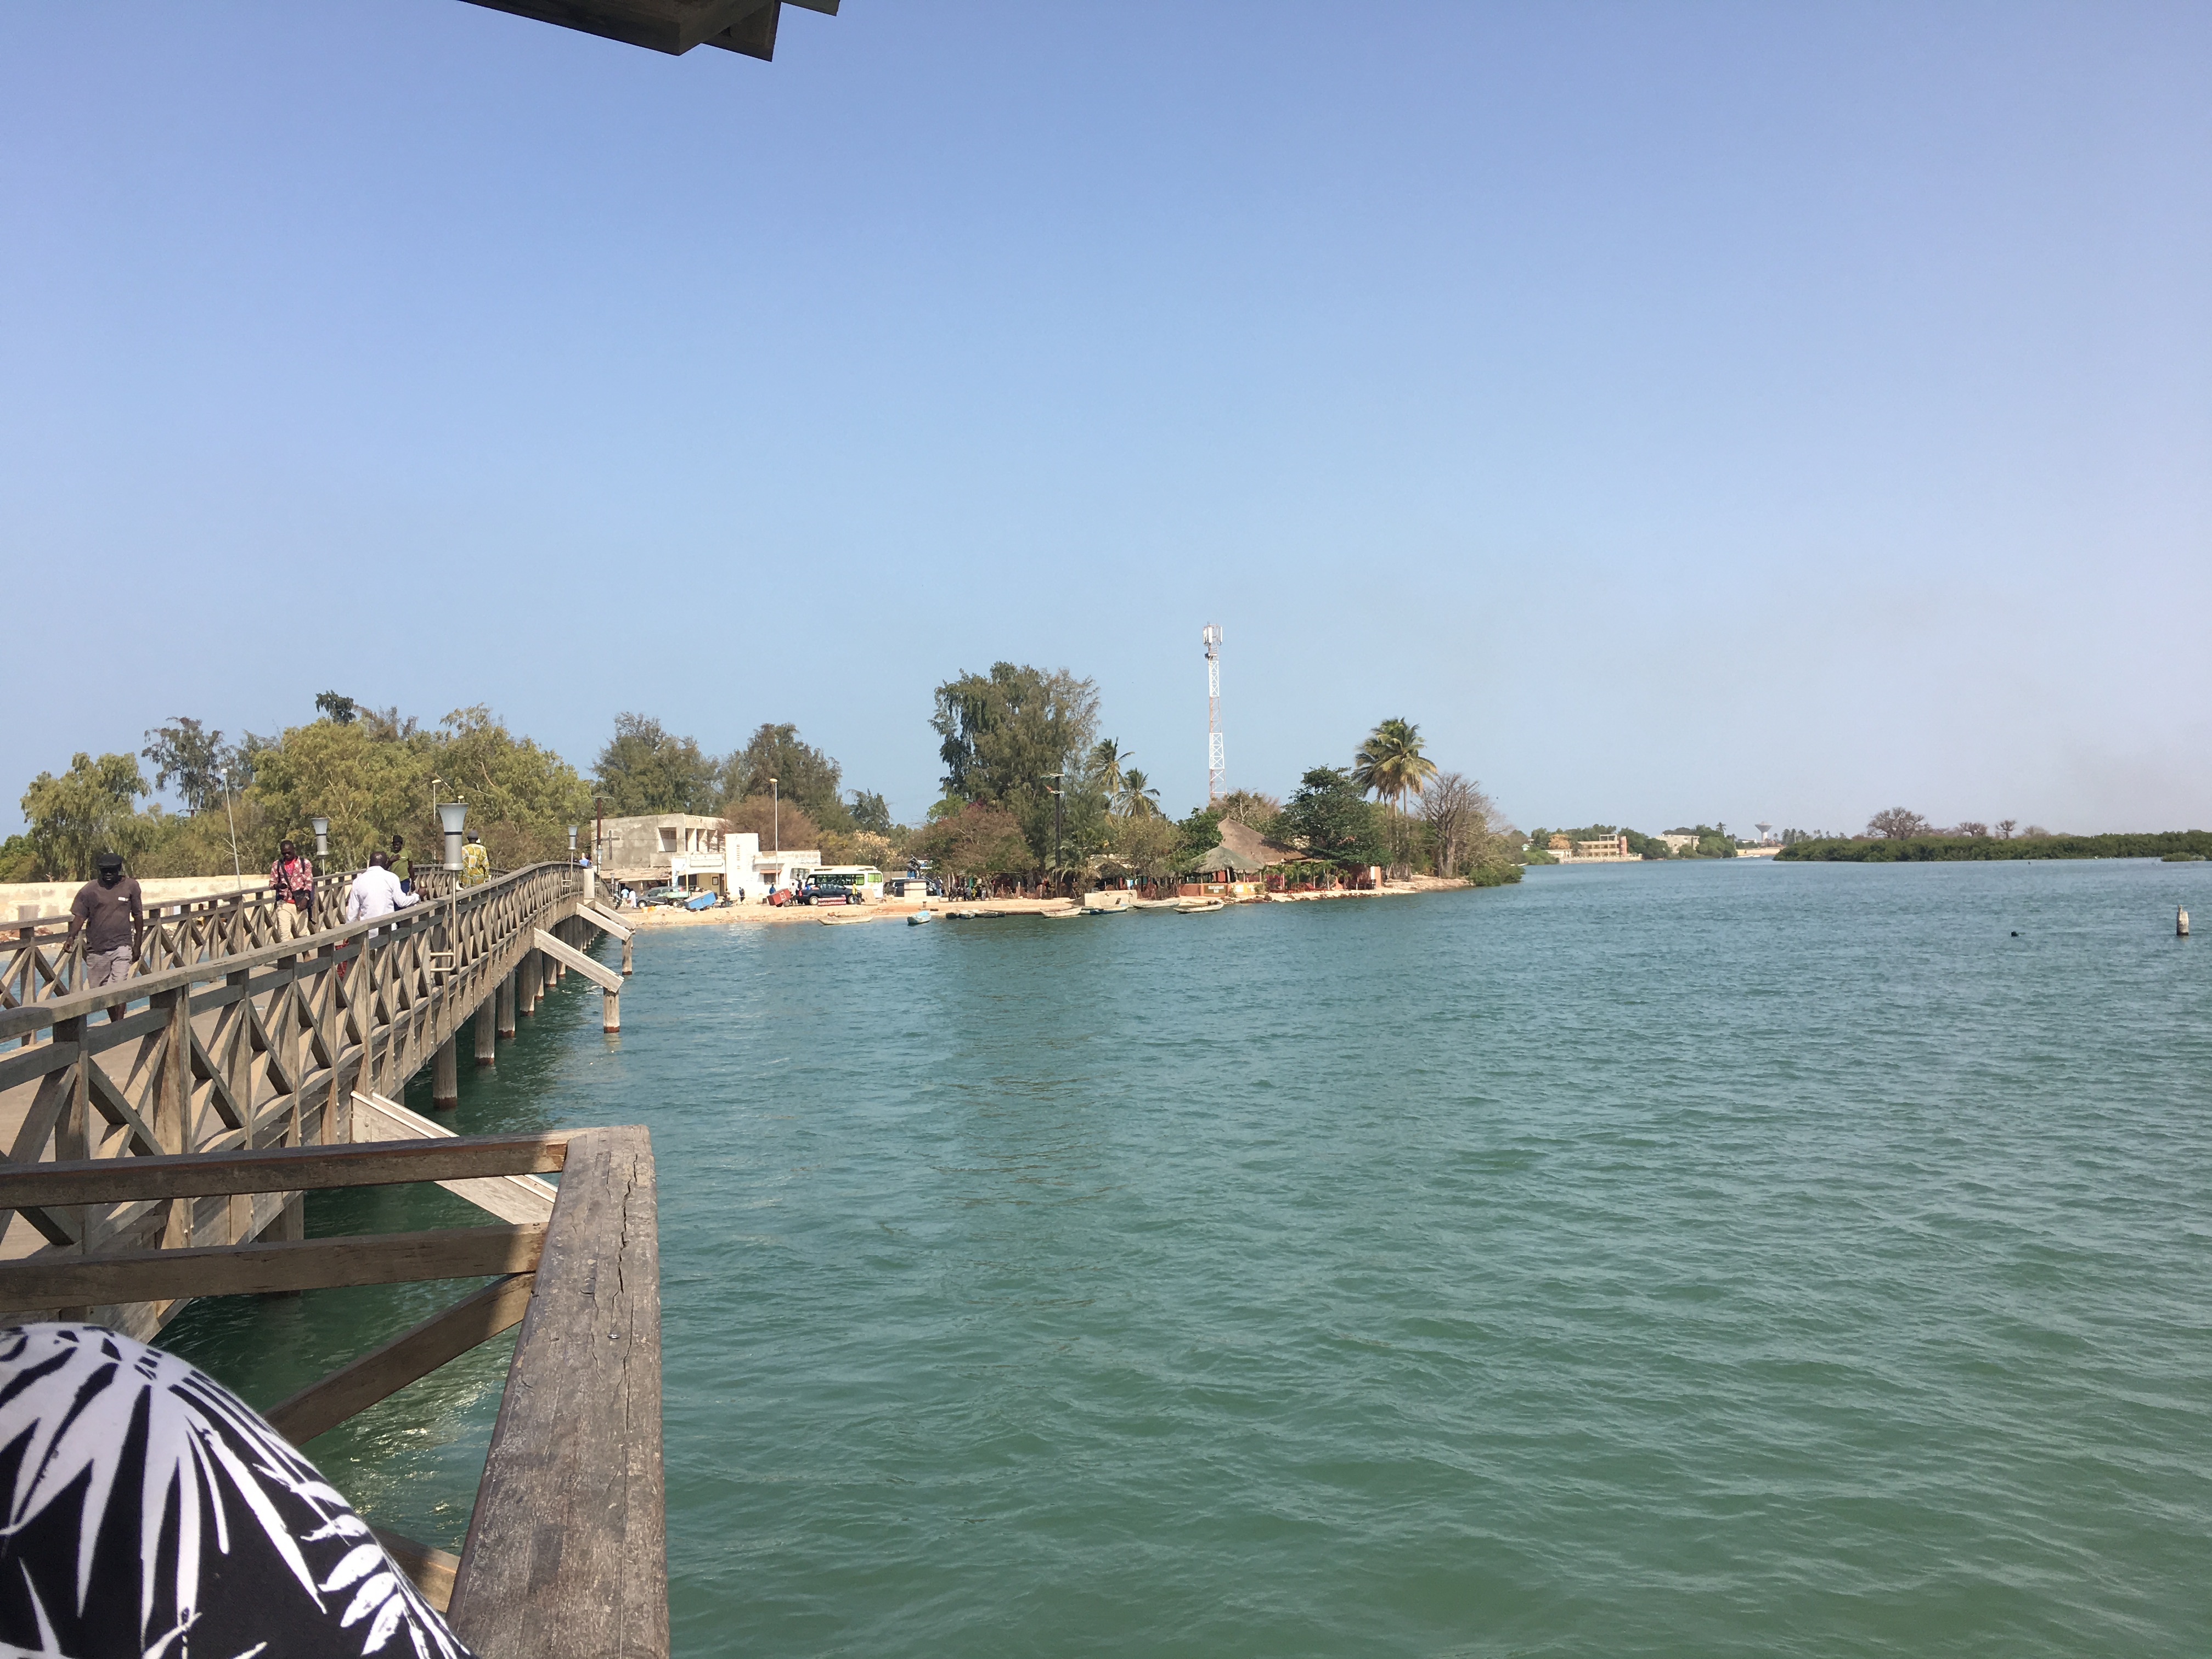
x=680, y=849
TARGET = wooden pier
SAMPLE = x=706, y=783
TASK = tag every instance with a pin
x=165, y=1156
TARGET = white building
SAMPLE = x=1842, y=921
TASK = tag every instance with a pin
x=677, y=849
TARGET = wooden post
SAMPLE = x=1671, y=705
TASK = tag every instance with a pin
x=506, y=1005
x=533, y=983
x=29, y=958
x=2181, y=924
x=445, y=1075
x=567, y=1557
x=611, y=1011
x=290, y=1227
x=487, y=1030
x=626, y=967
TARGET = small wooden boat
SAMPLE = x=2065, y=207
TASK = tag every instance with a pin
x=1192, y=907
x=1155, y=905
x=918, y=918
x=1063, y=915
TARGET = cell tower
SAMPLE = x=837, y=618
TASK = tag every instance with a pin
x=1217, y=767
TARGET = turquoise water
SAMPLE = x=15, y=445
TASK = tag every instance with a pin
x=1658, y=1260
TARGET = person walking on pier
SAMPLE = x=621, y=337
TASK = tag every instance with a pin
x=476, y=863
x=402, y=867
x=294, y=878
x=375, y=891
x=111, y=914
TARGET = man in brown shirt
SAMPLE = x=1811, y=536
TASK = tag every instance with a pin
x=109, y=914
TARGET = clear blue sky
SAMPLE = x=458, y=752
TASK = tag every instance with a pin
x=1681, y=411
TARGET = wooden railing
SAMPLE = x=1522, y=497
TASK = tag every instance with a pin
x=38, y=963
x=256, y=1048
x=566, y=1556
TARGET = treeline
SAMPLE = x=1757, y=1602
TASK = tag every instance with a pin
x=1032, y=792
x=1917, y=849
x=1713, y=842
x=375, y=773
x=776, y=785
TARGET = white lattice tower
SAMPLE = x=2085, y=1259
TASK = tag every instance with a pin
x=1216, y=765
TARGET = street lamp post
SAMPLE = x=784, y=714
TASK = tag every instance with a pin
x=452, y=818
x=322, y=828
x=572, y=843
x=1058, y=802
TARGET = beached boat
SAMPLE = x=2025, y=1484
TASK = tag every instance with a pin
x=1155, y=905
x=918, y=918
x=1192, y=906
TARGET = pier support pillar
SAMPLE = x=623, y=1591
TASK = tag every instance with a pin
x=486, y=1031
x=445, y=1074
x=290, y=1227
x=611, y=1011
x=533, y=983
x=506, y=1005
x=626, y=967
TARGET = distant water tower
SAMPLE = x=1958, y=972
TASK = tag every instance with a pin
x=1765, y=832
x=1217, y=766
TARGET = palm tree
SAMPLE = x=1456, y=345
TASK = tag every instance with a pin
x=1137, y=799
x=1390, y=764
x=1106, y=758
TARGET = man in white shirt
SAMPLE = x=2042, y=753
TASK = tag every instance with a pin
x=376, y=891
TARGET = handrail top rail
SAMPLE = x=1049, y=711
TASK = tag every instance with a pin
x=283, y=1169
x=38, y=1016
x=171, y=908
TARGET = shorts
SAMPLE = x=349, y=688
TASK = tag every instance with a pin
x=107, y=967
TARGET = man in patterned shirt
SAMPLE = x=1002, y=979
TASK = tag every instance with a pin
x=294, y=878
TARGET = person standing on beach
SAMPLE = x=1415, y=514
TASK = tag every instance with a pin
x=294, y=878
x=111, y=914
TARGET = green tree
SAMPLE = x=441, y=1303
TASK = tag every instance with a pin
x=645, y=768
x=339, y=711
x=1005, y=734
x=1251, y=806
x=980, y=839
x=89, y=809
x=1138, y=796
x=1145, y=845
x=803, y=774
x=1391, y=766
x=871, y=812
x=1329, y=817
x=191, y=756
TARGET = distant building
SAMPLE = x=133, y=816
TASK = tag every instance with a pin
x=1678, y=843
x=678, y=849
x=1606, y=849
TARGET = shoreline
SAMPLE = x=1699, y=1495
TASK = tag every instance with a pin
x=669, y=915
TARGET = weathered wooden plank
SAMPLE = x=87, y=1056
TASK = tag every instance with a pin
x=590, y=967
x=606, y=924
x=407, y=1357
x=58, y=1279
x=567, y=1555
x=27, y=1063
x=280, y=1169
x=431, y=1569
x=511, y=1198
